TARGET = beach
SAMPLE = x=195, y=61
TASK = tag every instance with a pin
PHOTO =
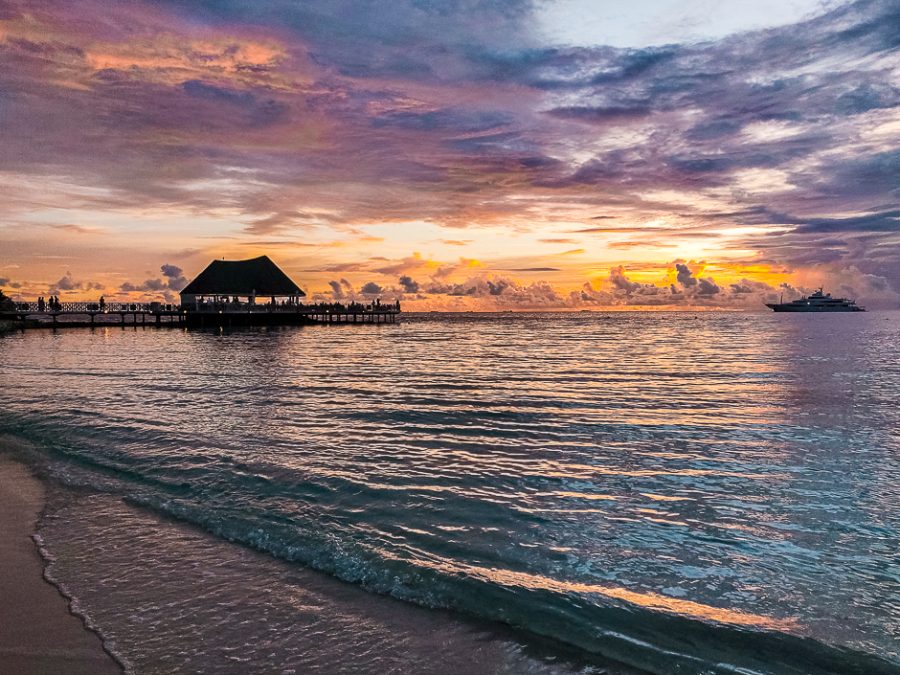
x=38, y=633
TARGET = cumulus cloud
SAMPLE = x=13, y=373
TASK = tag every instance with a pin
x=371, y=288
x=152, y=285
x=174, y=276
x=337, y=291
x=408, y=284
x=68, y=283
x=341, y=289
x=621, y=282
x=707, y=287
x=173, y=280
x=685, y=277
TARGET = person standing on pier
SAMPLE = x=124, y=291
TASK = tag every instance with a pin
x=41, y=304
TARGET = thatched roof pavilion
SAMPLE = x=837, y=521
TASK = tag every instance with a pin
x=257, y=277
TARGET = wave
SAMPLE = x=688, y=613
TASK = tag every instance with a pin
x=75, y=607
x=652, y=632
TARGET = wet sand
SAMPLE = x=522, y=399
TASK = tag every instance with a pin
x=38, y=634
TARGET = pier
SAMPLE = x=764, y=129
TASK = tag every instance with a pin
x=253, y=292
x=203, y=314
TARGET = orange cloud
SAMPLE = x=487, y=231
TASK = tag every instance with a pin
x=172, y=59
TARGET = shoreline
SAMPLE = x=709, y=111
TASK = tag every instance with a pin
x=40, y=634
x=52, y=636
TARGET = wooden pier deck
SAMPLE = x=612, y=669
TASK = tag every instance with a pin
x=86, y=314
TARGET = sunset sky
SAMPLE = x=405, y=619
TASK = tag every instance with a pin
x=464, y=154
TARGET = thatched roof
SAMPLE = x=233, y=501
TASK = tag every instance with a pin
x=258, y=276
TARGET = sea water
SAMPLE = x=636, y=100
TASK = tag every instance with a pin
x=580, y=492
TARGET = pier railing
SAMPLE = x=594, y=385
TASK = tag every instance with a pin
x=95, y=307
x=206, y=307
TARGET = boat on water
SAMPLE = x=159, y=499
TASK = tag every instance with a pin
x=817, y=302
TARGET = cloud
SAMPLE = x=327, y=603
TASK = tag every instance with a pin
x=534, y=269
x=685, y=276
x=371, y=288
x=502, y=292
x=621, y=282
x=611, y=115
x=408, y=284
x=337, y=291
x=341, y=289
x=76, y=229
x=152, y=285
x=173, y=280
x=707, y=287
x=292, y=117
x=174, y=275
x=68, y=283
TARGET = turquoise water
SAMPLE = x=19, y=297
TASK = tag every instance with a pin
x=676, y=492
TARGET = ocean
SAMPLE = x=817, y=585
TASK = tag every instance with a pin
x=591, y=492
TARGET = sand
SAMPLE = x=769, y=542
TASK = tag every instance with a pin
x=38, y=634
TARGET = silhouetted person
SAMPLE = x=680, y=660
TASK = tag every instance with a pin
x=102, y=303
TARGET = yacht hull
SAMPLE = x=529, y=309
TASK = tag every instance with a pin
x=812, y=308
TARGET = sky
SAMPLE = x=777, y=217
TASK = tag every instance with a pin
x=455, y=155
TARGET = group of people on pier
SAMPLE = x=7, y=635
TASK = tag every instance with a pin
x=235, y=304
x=52, y=305
x=355, y=307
